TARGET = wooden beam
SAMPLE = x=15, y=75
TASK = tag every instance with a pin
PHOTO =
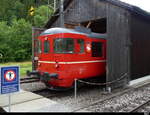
x=88, y=25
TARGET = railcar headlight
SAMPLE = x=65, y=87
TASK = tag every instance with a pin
x=36, y=58
x=56, y=65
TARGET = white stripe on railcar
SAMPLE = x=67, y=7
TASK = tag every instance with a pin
x=77, y=62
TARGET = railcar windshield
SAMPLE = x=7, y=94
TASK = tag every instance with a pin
x=64, y=45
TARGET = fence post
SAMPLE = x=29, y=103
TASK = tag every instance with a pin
x=75, y=89
x=109, y=89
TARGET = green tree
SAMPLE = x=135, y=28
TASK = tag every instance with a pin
x=21, y=39
x=18, y=8
x=16, y=24
x=4, y=40
x=42, y=15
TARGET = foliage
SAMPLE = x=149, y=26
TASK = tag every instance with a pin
x=21, y=39
x=42, y=15
x=16, y=27
x=4, y=31
x=15, y=40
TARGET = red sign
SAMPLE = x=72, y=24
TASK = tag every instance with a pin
x=10, y=75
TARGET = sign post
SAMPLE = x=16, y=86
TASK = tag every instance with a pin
x=9, y=102
x=9, y=81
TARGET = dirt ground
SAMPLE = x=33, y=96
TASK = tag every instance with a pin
x=1, y=110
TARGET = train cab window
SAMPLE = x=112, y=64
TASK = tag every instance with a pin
x=64, y=45
x=81, y=45
x=97, y=49
x=39, y=47
x=46, y=46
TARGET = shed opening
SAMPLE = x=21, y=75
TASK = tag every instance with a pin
x=97, y=26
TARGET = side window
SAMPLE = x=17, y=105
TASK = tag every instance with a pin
x=97, y=49
x=39, y=47
x=81, y=45
x=46, y=46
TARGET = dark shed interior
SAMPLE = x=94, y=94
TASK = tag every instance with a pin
x=97, y=26
x=128, y=34
x=140, y=47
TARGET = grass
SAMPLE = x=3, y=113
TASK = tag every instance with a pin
x=24, y=66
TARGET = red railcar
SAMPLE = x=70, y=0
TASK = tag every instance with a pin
x=65, y=54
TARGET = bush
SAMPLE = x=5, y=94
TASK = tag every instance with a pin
x=16, y=41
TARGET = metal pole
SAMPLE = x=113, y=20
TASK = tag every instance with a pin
x=109, y=89
x=54, y=5
x=62, y=13
x=75, y=89
x=33, y=31
x=47, y=10
x=9, y=102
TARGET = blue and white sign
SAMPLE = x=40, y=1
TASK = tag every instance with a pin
x=9, y=79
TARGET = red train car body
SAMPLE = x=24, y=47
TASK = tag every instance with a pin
x=65, y=54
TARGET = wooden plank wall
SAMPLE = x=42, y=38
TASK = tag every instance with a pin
x=118, y=48
x=140, y=49
x=83, y=10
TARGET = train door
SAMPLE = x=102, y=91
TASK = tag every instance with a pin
x=98, y=50
x=42, y=49
x=39, y=49
x=45, y=55
x=46, y=49
x=98, y=55
x=35, y=54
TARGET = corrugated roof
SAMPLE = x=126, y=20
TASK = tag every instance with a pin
x=129, y=7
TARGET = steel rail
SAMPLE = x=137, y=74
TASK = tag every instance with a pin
x=29, y=80
x=111, y=97
x=140, y=106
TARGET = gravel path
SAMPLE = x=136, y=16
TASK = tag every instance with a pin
x=89, y=94
x=33, y=86
x=85, y=95
x=123, y=103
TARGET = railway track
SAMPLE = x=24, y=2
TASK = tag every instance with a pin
x=142, y=106
x=104, y=105
x=28, y=80
x=60, y=94
x=105, y=99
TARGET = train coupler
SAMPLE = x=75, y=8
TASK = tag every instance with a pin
x=46, y=76
x=34, y=73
